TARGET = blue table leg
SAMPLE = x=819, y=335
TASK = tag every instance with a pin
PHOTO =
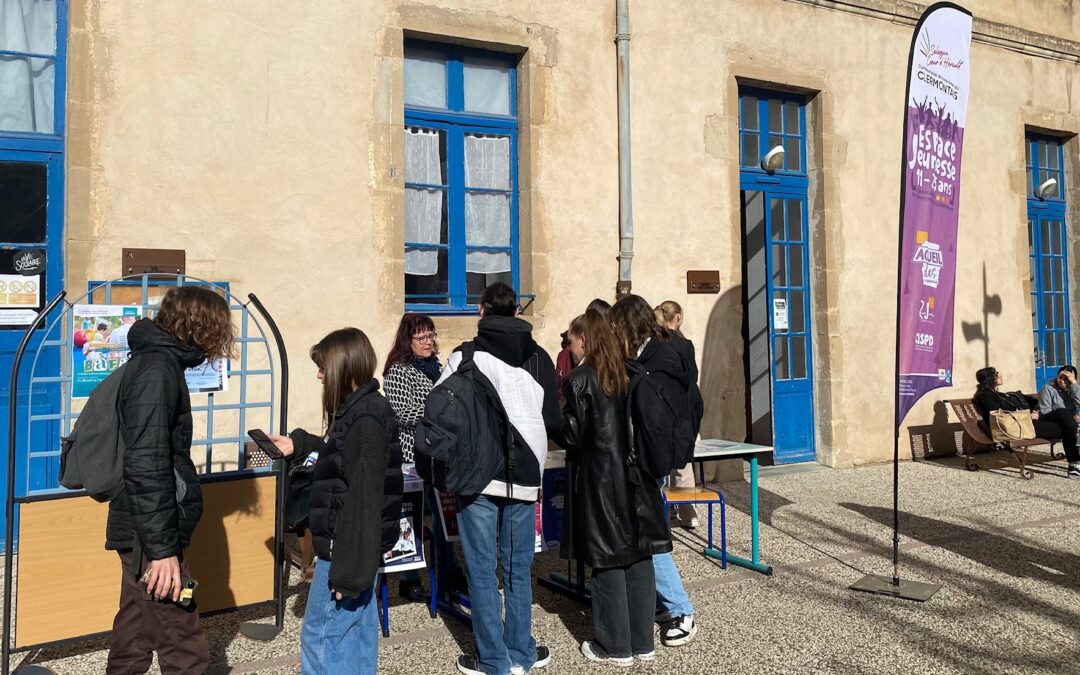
x=755, y=561
x=384, y=592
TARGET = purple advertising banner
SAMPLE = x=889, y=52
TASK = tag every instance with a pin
x=930, y=201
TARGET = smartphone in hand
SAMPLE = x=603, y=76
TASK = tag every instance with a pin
x=264, y=443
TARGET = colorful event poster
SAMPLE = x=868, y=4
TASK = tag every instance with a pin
x=99, y=343
x=408, y=551
x=939, y=76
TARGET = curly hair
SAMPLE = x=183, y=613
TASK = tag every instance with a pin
x=199, y=317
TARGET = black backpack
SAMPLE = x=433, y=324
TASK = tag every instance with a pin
x=465, y=439
x=660, y=411
x=92, y=457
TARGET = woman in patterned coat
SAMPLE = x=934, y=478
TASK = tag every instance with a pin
x=411, y=370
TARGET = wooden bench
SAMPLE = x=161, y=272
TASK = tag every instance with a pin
x=977, y=437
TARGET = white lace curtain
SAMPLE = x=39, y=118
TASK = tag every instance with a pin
x=423, y=206
x=487, y=214
x=27, y=84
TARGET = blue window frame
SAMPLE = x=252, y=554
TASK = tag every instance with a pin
x=33, y=61
x=768, y=119
x=1048, y=257
x=461, y=178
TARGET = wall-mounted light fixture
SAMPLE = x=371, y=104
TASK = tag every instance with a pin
x=1047, y=189
x=774, y=159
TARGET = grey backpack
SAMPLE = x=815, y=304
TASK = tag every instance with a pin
x=92, y=457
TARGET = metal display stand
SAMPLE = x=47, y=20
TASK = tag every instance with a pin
x=56, y=321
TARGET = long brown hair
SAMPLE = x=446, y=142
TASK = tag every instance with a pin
x=602, y=351
x=347, y=361
x=198, y=317
x=402, y=351
x=635, y=323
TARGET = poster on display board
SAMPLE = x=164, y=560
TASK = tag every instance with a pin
x=553, y=503
x=408, y=551
x=448, y=520
x=99, y=344
x=22, y=287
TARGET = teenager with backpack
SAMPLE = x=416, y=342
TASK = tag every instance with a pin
x=647, y=344
x=152, y=519
x=606, y=485
x=355, y=506
x=498, y=524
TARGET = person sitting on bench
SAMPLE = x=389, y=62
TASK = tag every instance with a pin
x=1056, y=425
x=1061, y=393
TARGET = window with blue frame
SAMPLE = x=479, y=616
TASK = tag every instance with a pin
x=461, y=193
x=32, y=44
x=769, y=119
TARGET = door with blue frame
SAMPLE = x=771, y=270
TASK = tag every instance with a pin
x=31, y=224
x=776, y=277
x=1048, y=258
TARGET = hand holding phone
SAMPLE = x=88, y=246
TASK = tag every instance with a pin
x=267, y=445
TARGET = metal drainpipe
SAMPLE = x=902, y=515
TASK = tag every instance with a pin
x=626, y=215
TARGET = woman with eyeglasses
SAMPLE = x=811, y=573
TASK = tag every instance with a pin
x=411, y=370
x=1053, y=426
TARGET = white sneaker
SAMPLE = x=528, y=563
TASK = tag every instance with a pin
x=694, y=523
x=587, y=652
x=647, y=656
x=681, y=630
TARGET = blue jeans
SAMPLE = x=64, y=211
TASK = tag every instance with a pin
x=670, y=594
x=339, y=636
x=483, y=520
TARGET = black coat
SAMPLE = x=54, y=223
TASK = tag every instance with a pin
x=161, y=502
x=988, y=401
x=614, y=515
x=685, y=349
x=356, y=494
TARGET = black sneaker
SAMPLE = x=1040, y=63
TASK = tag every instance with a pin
x=543, y=657
x=1074, y=471
x=469, y=665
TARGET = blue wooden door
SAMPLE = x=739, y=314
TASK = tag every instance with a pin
x=776, y=264
x=1048, y=277
x=31, y=219
x=788, y=310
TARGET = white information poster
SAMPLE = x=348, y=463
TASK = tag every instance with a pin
x=780, y=314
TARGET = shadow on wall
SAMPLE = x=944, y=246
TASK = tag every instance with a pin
x=723, y=380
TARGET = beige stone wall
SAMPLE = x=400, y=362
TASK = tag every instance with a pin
x=268, y=145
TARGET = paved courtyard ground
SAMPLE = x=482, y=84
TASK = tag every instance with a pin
x=1006, y=551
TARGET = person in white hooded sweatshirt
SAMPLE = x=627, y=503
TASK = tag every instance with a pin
x=505, y=511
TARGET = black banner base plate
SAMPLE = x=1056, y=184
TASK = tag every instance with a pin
x=908, y=590
x=263, y=632
x=34, y=670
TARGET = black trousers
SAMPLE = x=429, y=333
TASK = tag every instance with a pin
x=144, y=625
x=623, y=602
x=1059, y=425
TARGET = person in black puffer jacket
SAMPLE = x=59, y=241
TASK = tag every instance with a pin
x=152, y=520
x=355, y=505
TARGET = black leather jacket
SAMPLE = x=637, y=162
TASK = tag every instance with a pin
x=614, y=515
